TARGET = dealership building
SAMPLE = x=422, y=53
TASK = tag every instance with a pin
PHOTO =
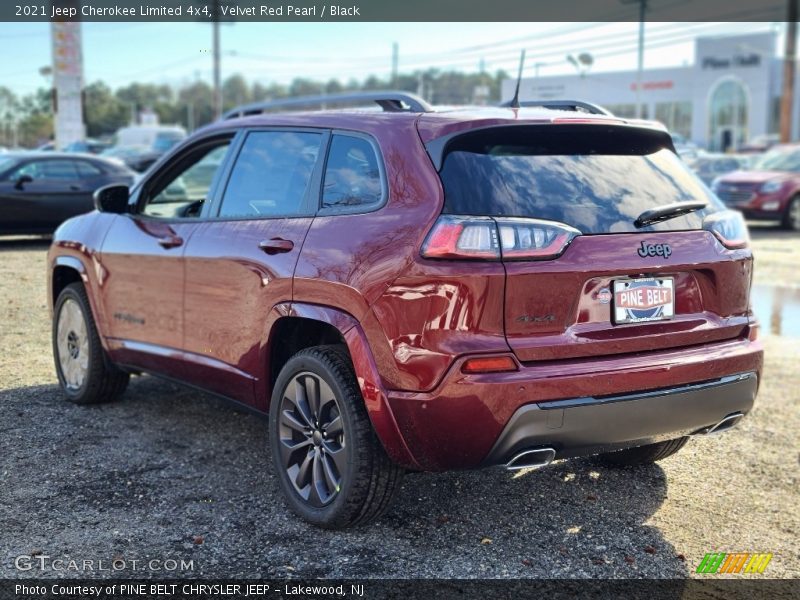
x=729, y=95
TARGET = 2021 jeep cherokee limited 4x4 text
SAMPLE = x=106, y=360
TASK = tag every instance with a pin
x=413, y=289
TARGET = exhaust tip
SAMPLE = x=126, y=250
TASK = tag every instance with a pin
x=725, y=424
x=531, y=459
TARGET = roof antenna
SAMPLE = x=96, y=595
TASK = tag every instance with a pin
x=514, y=103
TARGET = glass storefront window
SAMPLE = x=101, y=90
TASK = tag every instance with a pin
x=728, y=115
x=626, y=111
x=676, y=116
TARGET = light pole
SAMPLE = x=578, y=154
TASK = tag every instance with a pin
x=582, y=64
x=640, y=67
x=790, y=49
x=217, y=82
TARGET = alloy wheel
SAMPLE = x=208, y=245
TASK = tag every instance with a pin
x=73, y=344
x=312, y=439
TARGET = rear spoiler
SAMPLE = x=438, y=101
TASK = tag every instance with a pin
x=658, y=134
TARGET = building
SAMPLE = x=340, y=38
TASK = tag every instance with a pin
x=731, y=94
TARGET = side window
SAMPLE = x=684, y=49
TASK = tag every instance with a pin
x=352, y=176
x=87, y=169
x=182, y=191
x=271, y=174
x=43, y=170
x=59, y=169
x=31, y=168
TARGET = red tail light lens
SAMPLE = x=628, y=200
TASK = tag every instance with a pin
x=489, y=364
x=463, y=238
x=533, y=239
x=487, y=238
x=729, y=227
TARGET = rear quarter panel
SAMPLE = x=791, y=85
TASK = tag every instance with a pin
x=349, y=260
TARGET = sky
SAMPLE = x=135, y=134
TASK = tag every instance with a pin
x=177, y=53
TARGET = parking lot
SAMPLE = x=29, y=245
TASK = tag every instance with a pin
x=171, y=473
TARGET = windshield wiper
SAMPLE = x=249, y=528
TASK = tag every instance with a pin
x=666, y=212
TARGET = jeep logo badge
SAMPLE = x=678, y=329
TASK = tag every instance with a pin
x=654, y=250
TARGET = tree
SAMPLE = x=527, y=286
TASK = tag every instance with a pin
x=191, y=105
x=8, y=114
x=35, y=129
x=197, y=100
x=235, y=92
x=104, y=113
x=301, y=86
x=158, y=98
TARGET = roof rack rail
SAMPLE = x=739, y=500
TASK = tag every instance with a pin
x=389, y=101
x=571, y=105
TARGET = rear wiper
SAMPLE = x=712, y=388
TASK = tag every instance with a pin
x=666, y=212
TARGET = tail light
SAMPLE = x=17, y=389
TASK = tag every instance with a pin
x=462, y=237
x=487, y=238
x=534, y=239
x=729, y=227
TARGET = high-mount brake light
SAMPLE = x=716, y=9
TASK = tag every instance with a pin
x=586, y=121
x=486, y=238
x=729, y=228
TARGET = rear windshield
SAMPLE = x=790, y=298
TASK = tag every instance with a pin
x=595, y=178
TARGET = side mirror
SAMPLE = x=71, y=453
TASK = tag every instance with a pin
x=22, y=180
x=112, y=199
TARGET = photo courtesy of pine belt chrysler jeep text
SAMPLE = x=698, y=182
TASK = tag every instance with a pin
x=418, y=289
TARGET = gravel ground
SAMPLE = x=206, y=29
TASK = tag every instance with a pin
x=170, y=473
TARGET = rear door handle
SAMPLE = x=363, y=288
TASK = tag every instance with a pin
x=172, y=241
x=276, y=246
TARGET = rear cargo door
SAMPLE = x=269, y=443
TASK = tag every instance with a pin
x=614, y=287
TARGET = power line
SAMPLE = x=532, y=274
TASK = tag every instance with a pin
x=673, y=37
x=556, y=48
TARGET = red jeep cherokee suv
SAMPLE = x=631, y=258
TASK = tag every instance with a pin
x=418, y=289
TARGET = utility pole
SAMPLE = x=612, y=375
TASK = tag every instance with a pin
x=642, y=10
x=395, y=60
x=640, y=67
x=217, y=83
x=789, y=57
x=190, y=116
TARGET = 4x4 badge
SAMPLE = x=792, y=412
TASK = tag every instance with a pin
x=654, y=250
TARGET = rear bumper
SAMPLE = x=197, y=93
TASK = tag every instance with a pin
x=577, y=406
x=584, y=426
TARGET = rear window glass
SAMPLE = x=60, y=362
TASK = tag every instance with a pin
x=598, y=181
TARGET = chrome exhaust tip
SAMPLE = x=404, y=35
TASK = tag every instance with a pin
x=531, y=459
x=725, y=424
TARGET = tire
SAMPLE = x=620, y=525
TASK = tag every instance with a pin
x=84, y=371
x=791, y=217
x=642, y=455
x=344, y=478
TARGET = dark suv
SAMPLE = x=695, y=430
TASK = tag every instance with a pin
x=418, y=289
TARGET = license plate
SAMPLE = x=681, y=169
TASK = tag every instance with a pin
x=646, y=299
